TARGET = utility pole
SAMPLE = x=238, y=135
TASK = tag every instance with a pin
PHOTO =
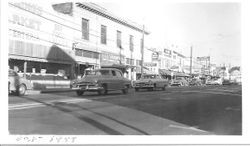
x=191, y=56
x=142, y=50
x=209, y=65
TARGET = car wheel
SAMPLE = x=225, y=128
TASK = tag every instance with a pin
x=164, y=88
x=79, y=92
x=21, y=90
x=125, y=90
x=103, y=91
x=136, y=89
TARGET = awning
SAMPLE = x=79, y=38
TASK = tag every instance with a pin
x=164, y=72
x=27, y=58
x=148, y=72
x=180, y=74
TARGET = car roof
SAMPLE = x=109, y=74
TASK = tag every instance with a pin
x=109, y=69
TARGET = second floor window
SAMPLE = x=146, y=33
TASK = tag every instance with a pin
x=85, y=29
x=131, y=43
x=103, y=34
x=119, y=39
x=142, y=46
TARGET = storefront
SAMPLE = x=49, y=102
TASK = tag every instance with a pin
x=37, y=43
x=109, y=58
x=28, y=57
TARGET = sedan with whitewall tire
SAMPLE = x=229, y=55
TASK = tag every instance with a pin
x=102, y=81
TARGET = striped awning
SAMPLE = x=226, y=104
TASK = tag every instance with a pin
x=27, y=58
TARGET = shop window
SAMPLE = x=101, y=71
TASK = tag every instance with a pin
x=103, y=34
x=132, y=62
x=85, y=29
x=78, y=52
x=113, y=73
x=127, y=60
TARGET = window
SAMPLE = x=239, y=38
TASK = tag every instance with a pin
x=131, y=61
x=85, y=29
x=142, y=45
x=137, y=62
x=113, y=73
x=127, y=60
x=118, y=39
x=118, y=74
x=103, y=34
x=131, y=43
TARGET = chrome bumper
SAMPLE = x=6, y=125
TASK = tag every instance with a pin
x=88, y=88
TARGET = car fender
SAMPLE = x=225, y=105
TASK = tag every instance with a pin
x=26, y=82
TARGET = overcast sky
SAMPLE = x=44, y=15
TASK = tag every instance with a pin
x=211, y=28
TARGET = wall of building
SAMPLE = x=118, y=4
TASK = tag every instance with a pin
x=39, y=34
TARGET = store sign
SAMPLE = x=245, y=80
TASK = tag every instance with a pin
x=167, y=53
x=155, y=56
x=205, y=58
x=30, y=7
x=150, y=64
x=28, y=21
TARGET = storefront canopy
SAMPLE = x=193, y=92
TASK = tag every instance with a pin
x=174, y=73
x=165, y=72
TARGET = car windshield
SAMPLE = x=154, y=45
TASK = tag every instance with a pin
x=149, y=77
x=98, y=72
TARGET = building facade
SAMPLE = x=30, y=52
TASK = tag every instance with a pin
x=71, y=37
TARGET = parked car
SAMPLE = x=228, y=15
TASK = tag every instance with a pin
x=195, y=82
x=214, y=82
x=18, y=85
x=102, y=81
x=179, y=81
x=151, y=82
x=229, y=82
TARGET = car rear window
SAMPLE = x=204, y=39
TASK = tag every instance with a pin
x=12, y=73
x=149, y=76
x=98, y=72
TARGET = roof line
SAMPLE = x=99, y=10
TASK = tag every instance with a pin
x=105, y=14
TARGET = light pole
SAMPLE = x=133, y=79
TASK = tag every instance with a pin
x=191, y=56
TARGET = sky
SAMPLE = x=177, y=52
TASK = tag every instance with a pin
x=210, y=28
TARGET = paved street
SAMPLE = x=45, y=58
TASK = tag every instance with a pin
x=176, y=111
